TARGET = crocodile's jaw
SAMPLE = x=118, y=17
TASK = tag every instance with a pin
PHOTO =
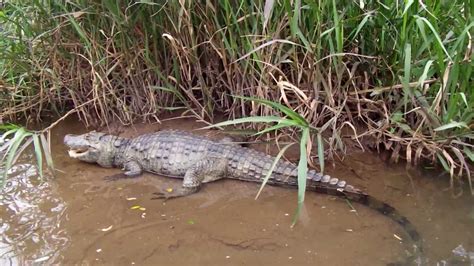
x=79, y=153
x=91, y=147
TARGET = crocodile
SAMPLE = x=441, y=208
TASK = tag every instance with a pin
x=198, y=160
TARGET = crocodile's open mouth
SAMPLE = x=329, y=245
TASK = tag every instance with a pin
x=78, y=152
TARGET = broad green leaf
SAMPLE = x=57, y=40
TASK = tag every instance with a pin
x=302, y=173
x=284, y=109
x=47, y=150
x=20, y=134
x=252, y=119
x=9, y=127
x=8, y=133
x=275, y=127
x=39, y=157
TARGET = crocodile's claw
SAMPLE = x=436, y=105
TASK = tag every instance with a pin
x=166, y=194
x=115, y=177
x=171, y=193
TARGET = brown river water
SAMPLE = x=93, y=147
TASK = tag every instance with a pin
x=76, y=217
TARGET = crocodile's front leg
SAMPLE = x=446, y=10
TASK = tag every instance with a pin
x=131, y=168
x=204, y=171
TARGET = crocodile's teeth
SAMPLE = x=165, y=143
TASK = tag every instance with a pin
x=325, y=178
x=317, y=177
x=333, y=181
x=341, y=183
x=77, y=153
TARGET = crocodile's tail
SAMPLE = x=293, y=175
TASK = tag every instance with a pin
x=333, y=186
x=350, y=193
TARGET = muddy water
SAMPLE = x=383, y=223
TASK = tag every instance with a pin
x=78, y=218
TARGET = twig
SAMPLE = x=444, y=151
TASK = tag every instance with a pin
x=397, y=86
x=66, y=115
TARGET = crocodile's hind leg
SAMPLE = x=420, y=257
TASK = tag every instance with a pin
x=204, y=171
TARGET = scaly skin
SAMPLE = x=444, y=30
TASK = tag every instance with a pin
x=199, y=160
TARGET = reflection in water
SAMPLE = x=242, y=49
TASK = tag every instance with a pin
x=32, y=212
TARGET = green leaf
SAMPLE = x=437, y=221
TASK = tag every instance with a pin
x=443, y=162
x=252, y=119
x=423, y=76
x=469, y=153
x=407, y=6
x=267, y=11
x=8, y=133
x=302, y=173
x=39, y=157
x=270, y=171
x=435, y=33
x=272, y=128
x=23, y=147
x=9, y=127
x=405, y=127
x=47, y=150
x=407, y=68
x=452, y=125
x=20, y=134
x=397, y=117
x=321, y=152
x=361, y=25
x=284, y=109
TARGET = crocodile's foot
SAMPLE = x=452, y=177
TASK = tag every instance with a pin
x=116, y=177
x=171, y=193
x=167, y=194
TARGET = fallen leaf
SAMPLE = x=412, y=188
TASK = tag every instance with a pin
x=106, y=229
x=397, y=237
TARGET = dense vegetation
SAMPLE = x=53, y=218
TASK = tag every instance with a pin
x=396, y=72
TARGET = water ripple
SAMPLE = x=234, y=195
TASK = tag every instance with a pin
x=30, y=224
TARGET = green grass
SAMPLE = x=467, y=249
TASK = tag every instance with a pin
x=14, y=140
x=396, y=72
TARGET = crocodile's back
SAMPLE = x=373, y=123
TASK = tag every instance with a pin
x=251, y=165
x=166, y=152
x=171, y=152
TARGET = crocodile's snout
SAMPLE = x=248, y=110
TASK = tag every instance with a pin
x=68, y=138
x=75, y=141
x=78, y=146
